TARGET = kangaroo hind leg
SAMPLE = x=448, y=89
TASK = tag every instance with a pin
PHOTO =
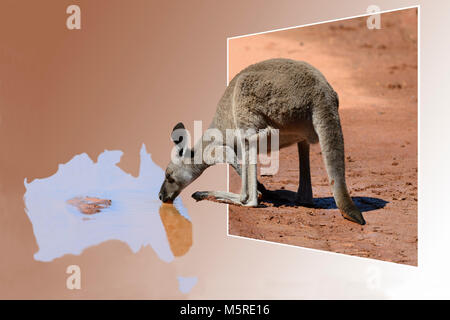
x=304, y=194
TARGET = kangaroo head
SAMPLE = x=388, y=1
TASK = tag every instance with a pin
x=179, y=173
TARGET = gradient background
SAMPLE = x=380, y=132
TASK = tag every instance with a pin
x=133, y=71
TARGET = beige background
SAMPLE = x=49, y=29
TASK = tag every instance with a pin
x=133, y=71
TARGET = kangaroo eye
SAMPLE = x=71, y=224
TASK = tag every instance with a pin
x=169, y=178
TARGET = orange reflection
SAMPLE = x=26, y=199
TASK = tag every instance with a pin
x=178, y=229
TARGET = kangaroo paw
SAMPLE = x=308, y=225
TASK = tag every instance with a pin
x=354, y=216
x=243, y=198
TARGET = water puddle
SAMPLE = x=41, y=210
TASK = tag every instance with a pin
x=86, y=203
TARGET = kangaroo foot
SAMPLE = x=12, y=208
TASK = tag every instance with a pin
x=223, y=197
x=218, y=196
x=251, y=203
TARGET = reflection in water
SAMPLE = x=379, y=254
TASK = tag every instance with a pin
x=132, y=215
x=178, y=229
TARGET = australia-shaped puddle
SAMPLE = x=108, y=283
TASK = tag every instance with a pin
x=86, y=203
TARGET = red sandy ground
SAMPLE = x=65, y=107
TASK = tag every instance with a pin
x=375, y=75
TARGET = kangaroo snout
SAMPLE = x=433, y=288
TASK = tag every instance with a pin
x=163, y=194
x=166, y=194
x=164, y=197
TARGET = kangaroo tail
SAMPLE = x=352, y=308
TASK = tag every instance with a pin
x=328, y=128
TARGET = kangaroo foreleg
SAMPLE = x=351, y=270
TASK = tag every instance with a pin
x=244, y=175
x=248, y=196
x=261, y=189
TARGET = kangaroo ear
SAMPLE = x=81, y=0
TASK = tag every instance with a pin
x=178, y=133
x=179, y=125
x=180, y=137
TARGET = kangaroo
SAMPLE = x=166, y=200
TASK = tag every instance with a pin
x=290, y=96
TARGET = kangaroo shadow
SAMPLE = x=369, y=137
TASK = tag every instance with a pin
x=287, y=198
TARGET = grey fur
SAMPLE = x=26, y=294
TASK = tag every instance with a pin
x=293, y=97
